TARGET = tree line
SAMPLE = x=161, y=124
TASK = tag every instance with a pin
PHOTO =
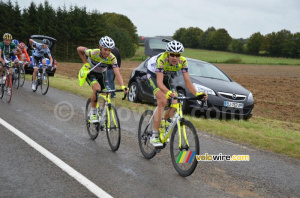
x=275, y=44
x=71, y=27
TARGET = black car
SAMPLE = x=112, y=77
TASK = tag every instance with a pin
x=225, y=97
x=39, y=39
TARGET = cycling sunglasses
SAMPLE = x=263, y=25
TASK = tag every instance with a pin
x=173, y=55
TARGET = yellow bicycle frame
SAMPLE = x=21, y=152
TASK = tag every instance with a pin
x=178, y=107
x=111, y=113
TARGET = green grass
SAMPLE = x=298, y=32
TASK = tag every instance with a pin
x=272, y=135
x=226, y=57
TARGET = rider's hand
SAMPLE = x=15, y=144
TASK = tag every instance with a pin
x=171, y=94
x=124, y=88
x=202, y=93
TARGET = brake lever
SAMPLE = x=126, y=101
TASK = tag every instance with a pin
x=125, y=94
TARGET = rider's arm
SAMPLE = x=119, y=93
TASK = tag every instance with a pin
x=81, y=53
x=188, y=83
x=51, y=60
x=31, y=43
x=18, y=51
x=26, y=54
x=118, y=76
x=1, y=59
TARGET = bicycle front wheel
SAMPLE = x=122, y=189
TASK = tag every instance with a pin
x=8, y=89
x=184, y=150
x=2, y=87
x=93, y=129
x=22, y=76
x=144, y=134
x=113, y=129
x=44, y=83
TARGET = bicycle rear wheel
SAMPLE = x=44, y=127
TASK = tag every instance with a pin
x=44, y=83
x=183, y=157
x=113, y=129
x=16, y=78
x=93, y=129
x=2, y=89
x=144, y=134
x=22, y=76
x=8, y=86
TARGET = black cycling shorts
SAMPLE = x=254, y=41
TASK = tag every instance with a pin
x=151, y=80
x=94, y=77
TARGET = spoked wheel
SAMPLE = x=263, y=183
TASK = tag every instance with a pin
x=144, y=134
x=8, y=89
x=44, y=83
x=16, y=78
x=22, y=76
x=113, y=129
x=93, y=129
x=184, y=155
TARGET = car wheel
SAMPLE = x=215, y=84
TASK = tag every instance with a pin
x=133, y=93
x=185, y=108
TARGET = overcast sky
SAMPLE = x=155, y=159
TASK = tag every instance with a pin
x=241, y=18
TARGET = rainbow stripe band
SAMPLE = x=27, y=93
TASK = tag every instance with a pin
x=185, y=157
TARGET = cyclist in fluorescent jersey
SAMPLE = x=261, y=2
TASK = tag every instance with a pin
x=97, y=78
x=159, y=75
x=8, y=50
x=40, y=49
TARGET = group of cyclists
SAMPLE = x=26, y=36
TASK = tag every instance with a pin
x=12, y=52
x=158, y=76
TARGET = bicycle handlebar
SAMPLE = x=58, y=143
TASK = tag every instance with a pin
x=111, y=91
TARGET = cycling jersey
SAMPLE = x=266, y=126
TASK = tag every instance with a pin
x=151, y=65
x=6, y=50
x=39, y=50
x=163, y=65
x=24, y=51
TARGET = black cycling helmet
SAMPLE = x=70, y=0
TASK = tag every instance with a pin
x=46, y=41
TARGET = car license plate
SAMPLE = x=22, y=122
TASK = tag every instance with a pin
x=234, y=104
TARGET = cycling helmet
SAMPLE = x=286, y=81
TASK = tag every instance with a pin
x=7, y=36
x=46, y=41
x=15, y=41
x=107, y=42
x=174, y=47
x=22, y=45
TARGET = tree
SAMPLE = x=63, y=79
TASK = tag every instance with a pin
x=254, y=43
x=237, y=45
x=220, y=40
x=205, y=41
x=179, y=35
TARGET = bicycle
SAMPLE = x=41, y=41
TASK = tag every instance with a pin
x=18, y=75
x=179, y=126
x=108, y=119
x=42, y=79
x=6, y=84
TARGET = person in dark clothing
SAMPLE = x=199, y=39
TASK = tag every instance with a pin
x=110, y=72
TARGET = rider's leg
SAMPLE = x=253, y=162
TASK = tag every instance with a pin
x=95, y=87
x=170, y=112
x=161, y=104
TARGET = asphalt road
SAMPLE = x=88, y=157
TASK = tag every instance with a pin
x=56, y=122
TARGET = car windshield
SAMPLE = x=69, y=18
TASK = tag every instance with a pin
x=206, y=70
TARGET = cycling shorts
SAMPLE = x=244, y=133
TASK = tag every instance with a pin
x=151, y=80
x=94, y=77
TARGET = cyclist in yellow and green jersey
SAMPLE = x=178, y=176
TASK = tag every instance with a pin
x=97, y=78
x=160, y=74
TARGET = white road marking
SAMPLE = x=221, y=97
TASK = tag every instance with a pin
x=65, y=167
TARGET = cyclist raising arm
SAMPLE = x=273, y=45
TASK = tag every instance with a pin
x=24, y=56
x=38, y=56
x=97, y=78
x=167, y=64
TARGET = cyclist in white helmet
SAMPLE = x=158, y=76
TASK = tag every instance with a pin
x=97, y=78
x=160, y=76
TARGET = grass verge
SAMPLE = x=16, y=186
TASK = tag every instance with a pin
x=268, y=134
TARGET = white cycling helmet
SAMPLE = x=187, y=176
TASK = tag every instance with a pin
x=174, y=47
x=107, y=42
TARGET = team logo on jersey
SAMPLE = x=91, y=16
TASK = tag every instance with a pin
x=81, y=73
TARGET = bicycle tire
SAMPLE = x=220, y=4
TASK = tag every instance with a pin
x=8, y=84
x=93, y=129
x=22, y=76
x=2, y=89
x=113, y=132
x=184, y=169
x=44, y=79
x=16, y=78
x=144, y=134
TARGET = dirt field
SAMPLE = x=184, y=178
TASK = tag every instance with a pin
x=276, y=89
